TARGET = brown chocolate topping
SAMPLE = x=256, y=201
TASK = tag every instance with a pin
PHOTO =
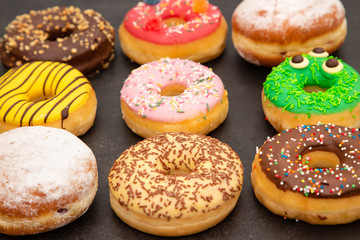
x=82, y=39
x=332, y=62
x=297, y=59
x=318, y=50
x=282, y=162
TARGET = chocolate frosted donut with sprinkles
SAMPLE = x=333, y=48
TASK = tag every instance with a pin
x=310, y=173
x=83, y=39
x=175, y=184
x=312, y=88
x=173, y=95
x=187, y=29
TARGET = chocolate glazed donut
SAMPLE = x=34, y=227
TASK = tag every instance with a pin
x=83, y=39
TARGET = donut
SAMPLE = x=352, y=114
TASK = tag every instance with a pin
x=175, y=184
x=83, y=39
x=173, y=95
x=265, y=32
x=311, y=88
x=310, y=173
x=46, y=93
x=187, y=29
x=48, y=178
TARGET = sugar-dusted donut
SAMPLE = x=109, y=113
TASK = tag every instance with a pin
x=310, y=173
x=312, y=88
x=83, y=39
x=52, y=94
x=173, y=95
x=48, y=178
x=175, y=184
x=187, y=29
x=265, y=32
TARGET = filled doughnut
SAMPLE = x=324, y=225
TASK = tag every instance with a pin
x=265, y=32
x=48, y=178
x=175, y=184
x=83, y=39
x=187, y=29
x=311, y=88
x=173, y=95
x=310, y=173
x=52, y=94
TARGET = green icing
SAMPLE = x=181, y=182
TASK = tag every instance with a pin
x=284, y=87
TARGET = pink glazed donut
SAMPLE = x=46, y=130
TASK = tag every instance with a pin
x=173, y=95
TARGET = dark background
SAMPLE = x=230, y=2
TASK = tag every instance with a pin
x=244, y=129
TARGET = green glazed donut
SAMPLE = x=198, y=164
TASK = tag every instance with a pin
x=289, y=89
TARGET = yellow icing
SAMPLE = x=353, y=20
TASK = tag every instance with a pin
x=38, y=92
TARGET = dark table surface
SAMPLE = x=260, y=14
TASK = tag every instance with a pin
x=244, y=129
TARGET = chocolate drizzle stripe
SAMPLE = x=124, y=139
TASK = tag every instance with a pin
x=4, y=118
x=47, y=77
x=32, y=72
x=49, y=101
x=62, y=99
x=17, y=70
x=52, y=82
x=65, y=111
x=14, y=89
x=61, y=78
x=19, y=110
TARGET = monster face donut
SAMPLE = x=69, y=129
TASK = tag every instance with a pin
x=173, y=95
x=312, y=88
x=265, y=32
x=187, y=29
x=82, y=39
x=48, y=178
x=52, y=94
x=175, y=184
x=310, y=173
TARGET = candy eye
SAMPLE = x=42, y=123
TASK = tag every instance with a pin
x=299, y=62
x=318, y=52
x=332, y=65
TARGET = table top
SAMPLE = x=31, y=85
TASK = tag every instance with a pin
x=244, y=129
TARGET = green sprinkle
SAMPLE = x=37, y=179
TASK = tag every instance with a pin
x=179, y=111
x=207, y=106
x=204, y=117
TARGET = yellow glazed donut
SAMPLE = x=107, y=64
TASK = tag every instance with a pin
x=52, y=94
x=175, y=184
x=48, y=178
x=173, y=95
x=187, y=29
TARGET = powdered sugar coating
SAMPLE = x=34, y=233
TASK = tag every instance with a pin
x=279, y=15
x=42, y=166
x=141, y=90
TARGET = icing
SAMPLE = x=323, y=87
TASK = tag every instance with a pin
x=145, y=177
x=146, y=22
x=40, y=92
x=141, y=90
x=39, y=166
x=264, y=18
x=284, y=86
x=282, y=160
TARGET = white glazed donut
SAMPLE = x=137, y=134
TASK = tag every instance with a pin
x=48, y=178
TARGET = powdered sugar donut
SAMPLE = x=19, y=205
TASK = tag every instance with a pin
x=187, y=29
x=173, y=95
x=266, y=31
x=48, y=178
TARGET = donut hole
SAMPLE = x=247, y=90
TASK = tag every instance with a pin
x=54, y=34
x=311, y=89
x=179, y=172
x=172, y=90
x=173, y=21
x=321, y=159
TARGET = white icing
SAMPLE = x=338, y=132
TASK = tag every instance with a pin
x=52, y=161
x=265, y=14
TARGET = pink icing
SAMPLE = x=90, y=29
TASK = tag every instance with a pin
x=140, y=22
x=141, y=90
